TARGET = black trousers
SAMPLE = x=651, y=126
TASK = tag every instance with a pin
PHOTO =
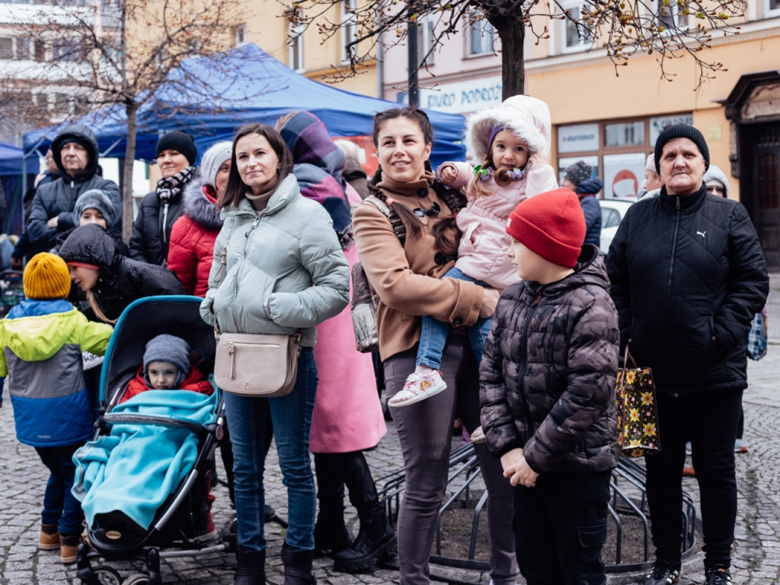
x=560, y=528
x=709, y=420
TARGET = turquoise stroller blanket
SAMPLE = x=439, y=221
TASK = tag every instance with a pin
x=136, y=467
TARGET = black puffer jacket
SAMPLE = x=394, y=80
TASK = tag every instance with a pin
x=57, y=198
x=150, y=239
x=688, y=275
x=547, y=376
x=121, y=280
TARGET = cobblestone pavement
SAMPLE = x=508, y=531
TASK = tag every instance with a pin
x=756, y=554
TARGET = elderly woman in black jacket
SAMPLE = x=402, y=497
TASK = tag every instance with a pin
x=688, y=275
x=111, y=280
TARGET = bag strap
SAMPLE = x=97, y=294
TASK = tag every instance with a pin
x=380, y=202
x=626, y=358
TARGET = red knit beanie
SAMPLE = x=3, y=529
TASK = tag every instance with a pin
x=550, y=224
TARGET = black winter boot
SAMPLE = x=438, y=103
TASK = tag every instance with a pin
x=376, y=538
x=251, y=568
x=330, y=531
x=297, y=567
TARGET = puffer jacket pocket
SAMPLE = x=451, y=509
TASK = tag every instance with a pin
x=254, y=289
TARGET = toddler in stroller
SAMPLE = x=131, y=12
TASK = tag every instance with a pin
x=145, y=478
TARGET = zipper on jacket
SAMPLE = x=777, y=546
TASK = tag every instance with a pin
x=524, y=360
x=674, y=250
x=241, y=265
x=165, y=223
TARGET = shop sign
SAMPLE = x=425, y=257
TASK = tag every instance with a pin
x=462, y=97
x=660, y=123
x=623, y=174
x=578, y=138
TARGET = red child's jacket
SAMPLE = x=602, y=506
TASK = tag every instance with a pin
x=195, y=382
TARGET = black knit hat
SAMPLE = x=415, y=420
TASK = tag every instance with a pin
x=180, y=142
x=681, y=131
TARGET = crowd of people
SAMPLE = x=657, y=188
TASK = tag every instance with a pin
x=495, y=306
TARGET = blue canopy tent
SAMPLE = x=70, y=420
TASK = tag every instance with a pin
x=12, y=169
x=248, y=86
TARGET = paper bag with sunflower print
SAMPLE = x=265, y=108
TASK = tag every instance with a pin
x=637, y=414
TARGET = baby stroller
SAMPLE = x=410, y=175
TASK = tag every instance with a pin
x=177, y=521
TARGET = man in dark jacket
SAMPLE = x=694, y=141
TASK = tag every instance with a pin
x=75, y=151
x=688, y=275
x=586, y=193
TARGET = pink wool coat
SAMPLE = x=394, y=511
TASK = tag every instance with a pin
x=347, y=413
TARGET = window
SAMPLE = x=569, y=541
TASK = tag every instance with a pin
x=481, y=36
x=349, y=30
x=296, y=47
x=6, y=48
x=68, y=50
x=24, y=48
x=624, y=134
x=773, y=8
x=425, y=40
x=241, y=35
x=609, y=217
x=575, y=38
x=670, y=17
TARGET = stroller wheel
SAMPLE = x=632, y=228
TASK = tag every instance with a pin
x=136, y=579
x=107, y=575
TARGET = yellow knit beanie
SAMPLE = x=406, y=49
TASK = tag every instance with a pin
x=46, y=277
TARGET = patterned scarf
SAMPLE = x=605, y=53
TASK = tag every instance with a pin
x=170, y=188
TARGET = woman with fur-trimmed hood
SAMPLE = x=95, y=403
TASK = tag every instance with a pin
x=191, y=250
x=510, y=142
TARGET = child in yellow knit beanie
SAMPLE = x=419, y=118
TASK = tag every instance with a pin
x=42, y=340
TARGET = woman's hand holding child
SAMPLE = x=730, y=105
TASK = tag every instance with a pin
x=489, y=302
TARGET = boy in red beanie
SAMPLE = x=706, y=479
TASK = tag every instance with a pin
x=547, y=391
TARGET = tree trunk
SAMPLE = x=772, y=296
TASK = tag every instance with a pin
x=511, y=31
x=127, y=173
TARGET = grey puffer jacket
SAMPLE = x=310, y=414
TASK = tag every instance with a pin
x=285, y=269
x=547, y=376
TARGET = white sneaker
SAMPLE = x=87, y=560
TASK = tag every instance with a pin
x=478, y=436
x=418, y=387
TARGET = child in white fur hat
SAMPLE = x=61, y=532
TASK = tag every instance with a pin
x=511, y=143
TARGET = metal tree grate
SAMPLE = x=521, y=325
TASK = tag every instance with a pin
x=628, y=499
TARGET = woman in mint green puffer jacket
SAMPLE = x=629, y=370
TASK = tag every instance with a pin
x=284, y=271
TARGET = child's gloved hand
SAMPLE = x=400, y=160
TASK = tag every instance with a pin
x=447, y=173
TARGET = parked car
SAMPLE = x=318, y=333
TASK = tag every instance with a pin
x=612, y=212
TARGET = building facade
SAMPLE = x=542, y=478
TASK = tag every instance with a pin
x=612, y=122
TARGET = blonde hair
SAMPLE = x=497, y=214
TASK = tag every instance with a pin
x=503, y=178
x=98, y=312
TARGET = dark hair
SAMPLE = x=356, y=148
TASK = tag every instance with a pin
x=236, y=188
x=441, y=229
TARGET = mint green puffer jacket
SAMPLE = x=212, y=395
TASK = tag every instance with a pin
x=285, y=268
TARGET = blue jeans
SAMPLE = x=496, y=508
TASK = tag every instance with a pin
x=433, y=334
x=291, y=416
x=59, y=505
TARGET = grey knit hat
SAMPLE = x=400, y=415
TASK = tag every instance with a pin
x=95, y=199
x=681, y=131
x=168, y=348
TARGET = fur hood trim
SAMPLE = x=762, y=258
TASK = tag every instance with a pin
x=527, y=117
x=198, y=207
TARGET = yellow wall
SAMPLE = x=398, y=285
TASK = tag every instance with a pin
x=590, y=91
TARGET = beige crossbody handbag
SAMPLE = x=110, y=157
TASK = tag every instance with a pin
x=253, y=365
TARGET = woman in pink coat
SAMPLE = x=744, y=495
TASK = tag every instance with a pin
x=347, y=415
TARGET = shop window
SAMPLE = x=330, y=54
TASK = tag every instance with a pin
x=481, y=35
x=296, y=47
x=6, y=48
x=624, y=134
x=574, y=38
x=425, y=40
x=348, y=29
